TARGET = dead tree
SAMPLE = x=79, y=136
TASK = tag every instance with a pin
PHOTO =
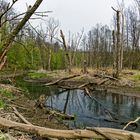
x=84, y=69
x=8, y=41
x=52, y=29
x=118, y=45
x=74, y=43
x=114, y=51
x=121, y=7
x=68, y=59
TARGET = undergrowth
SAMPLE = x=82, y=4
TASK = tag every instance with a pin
x=4, y=93
x=37, y=75
x=136, y=76
x=2, y=104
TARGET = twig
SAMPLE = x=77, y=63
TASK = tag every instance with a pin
x=20, y=116
x=131, y=122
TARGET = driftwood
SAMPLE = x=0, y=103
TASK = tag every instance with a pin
x=53, y=133
x=62, y=79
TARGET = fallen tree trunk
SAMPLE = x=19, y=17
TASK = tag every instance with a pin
x=47, y=132
x=59, y=80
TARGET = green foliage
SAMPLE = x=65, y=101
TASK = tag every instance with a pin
x=23, y=57
x=6, y=93
x=136, y=76
x=37, y=75
x=58, y=60
x=4, y=136
x=2, y=104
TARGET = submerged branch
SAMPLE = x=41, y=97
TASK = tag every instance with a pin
x=131, y=122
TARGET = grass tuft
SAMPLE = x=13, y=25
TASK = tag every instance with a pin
x=136, y=76
x=37, y=75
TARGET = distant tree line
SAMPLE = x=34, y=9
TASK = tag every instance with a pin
x=42, y=48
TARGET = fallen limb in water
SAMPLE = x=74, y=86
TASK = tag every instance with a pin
x=112, y=115
x=131, y=122
x=62, y=79
x=47, y=132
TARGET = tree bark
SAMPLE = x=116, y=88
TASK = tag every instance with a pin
x=118, y=45
x=12, y=35
x=122, y=43
x=72, y=134
x=49, y=59
x=114, y=52
x=66, y=51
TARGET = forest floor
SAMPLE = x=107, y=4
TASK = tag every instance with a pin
x=12, y=97
x=12, y=100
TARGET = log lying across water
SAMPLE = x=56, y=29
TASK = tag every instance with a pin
x=53, y=133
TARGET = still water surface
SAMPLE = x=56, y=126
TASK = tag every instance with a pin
x=89, y=112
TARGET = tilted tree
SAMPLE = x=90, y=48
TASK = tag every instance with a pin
x=6, y=44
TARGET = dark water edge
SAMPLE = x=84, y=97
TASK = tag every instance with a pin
x=88, y=112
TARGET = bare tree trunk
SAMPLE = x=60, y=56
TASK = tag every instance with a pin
x=114, y=52
x=85, y=67
x=66, y=52
x=118, y=46
x=10, y=37
x=122, y=44
x=49, y=59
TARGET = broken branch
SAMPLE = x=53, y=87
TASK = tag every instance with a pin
x=132, y=122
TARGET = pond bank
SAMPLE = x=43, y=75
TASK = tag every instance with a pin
x=128, y=83
x=94, y=82
x=12, y=97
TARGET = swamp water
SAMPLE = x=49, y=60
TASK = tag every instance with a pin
x=89, y=112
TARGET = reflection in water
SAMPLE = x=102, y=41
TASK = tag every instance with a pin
x=90, y=113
